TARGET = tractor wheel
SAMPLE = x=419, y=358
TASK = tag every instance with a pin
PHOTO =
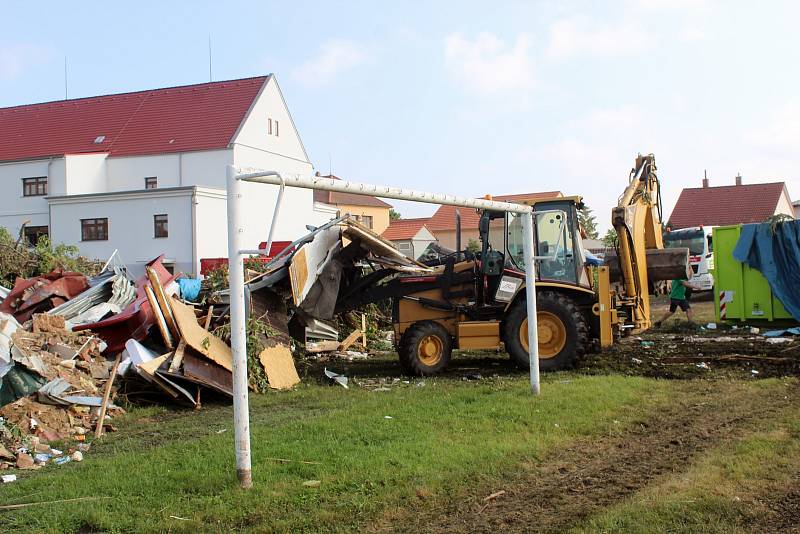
x=425, y=348
x=563, y=332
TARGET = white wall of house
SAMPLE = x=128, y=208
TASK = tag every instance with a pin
x=205, y=168
x=130, y=225
x=784, y=205
x=128, y=173
x=211, y=224
x=85, y=173
x=415, y=246
x=15, y=209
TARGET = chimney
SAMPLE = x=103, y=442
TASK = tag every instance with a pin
x=705, y=179
x=739, y=179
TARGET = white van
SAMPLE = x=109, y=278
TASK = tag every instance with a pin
x=701, y=252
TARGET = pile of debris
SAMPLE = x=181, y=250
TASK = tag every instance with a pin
x=51, y=390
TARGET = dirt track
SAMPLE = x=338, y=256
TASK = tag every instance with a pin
x=575, y=483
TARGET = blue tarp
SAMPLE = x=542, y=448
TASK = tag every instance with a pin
x=776, y=256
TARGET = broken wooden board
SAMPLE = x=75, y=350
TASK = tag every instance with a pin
x=279, y=366
x=160, y=321
x=349, y=340
x=207, y=374
x=177, y=359
x=151, y=366
x=163, y=303
x=322, y=346
x=199, y=338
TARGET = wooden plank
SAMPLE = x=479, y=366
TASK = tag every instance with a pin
x=200, y=339
x=160, y=321
x=151, y=366
x=364, y=330
x=349, y=340
x=209, y=316
x=163, y=303
x=203, y=372
x=98, y=431
x=279, y=367
x=177, y=359
x=322, y=346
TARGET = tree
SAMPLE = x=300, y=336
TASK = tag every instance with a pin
x=473, y=245
x=610, y=239
x=588, y=222
x=394, y=215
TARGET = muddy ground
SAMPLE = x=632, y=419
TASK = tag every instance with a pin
x=569, y=486
x=712, y=407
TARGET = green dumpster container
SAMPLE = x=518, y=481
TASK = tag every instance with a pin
x=741, y=293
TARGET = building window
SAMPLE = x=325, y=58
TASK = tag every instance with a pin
x=269, y=126
x=94, y=229
x=34, y=187
x=367, y=220
x=33, y=233
x=151, y=182
x=277, y=131
x=160, y=226
x=404, y=246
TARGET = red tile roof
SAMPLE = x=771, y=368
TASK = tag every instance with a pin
x=400, y=229
x=176, y=119
x=348, y=199
x=729, y=204
x=445, y=216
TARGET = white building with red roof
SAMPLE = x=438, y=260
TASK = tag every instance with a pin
x=144, y=172
x=410, y=236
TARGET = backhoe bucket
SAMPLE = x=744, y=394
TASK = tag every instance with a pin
x=662, y=264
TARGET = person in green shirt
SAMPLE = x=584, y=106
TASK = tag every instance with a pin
x=678, y=299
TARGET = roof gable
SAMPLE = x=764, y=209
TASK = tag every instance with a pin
x=445, y=216
x=724, y=205
x=176, y=119
x=402, y=229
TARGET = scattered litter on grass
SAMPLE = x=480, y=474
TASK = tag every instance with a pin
x=337, y=378
x=312, y=483
x=388, y=417
x=7, y=479
x=703, y=365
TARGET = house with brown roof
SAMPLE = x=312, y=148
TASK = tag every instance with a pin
x=443, y=223
x=370, y=211
x=144, y=172
x=410, y=236
x=730, y=204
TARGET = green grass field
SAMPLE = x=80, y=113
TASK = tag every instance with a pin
x=420, y=447
x=441, y=434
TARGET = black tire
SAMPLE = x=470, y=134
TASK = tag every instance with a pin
x=559, y=307
x=412, y=356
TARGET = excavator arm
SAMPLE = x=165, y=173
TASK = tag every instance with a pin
x=637, y=221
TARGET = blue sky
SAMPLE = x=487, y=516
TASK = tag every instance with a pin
x=461, y=97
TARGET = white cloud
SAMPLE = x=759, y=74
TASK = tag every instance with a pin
x=14, y=59
x=334, y=58
x=581, y=36
x=489, y=66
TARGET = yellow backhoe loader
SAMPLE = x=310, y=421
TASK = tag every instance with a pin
x=477, y=301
